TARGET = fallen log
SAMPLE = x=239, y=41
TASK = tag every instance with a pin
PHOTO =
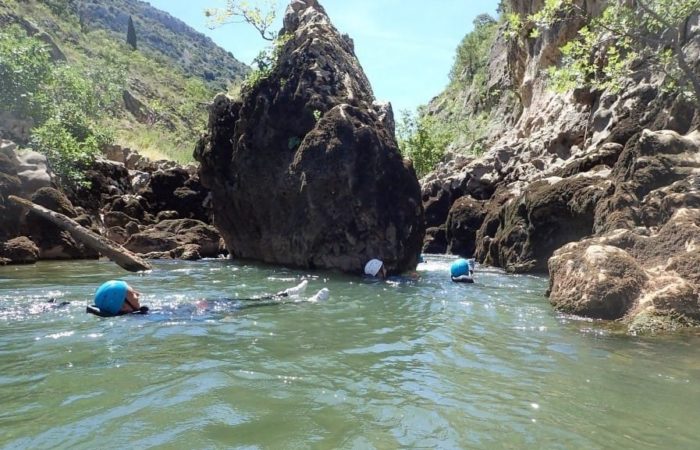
x=123, y=257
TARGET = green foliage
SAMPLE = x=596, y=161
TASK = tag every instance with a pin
x=62, y=8
x=608, y=49
x=473, y=51
x=182, y=48
x=236, y=11
x=514, y=25
x=266, y=62
x=25, y=66
x=177, y=103
x=424, y=139
x=64, y=102
x=81, y=100
x=69, y=144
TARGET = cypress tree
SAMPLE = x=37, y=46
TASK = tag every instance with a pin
x=131, y=34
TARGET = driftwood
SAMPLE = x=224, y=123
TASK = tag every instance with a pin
x=123, y=257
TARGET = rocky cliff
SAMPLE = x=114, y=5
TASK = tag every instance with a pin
x=305, y=169
x=609, y=174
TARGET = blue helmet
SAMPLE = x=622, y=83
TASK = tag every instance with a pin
x=459, y=268
x=110, y=296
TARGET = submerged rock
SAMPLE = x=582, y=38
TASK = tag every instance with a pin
x=305, y=170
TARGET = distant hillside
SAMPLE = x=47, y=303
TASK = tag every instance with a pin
x=158, y=31
x=153, y=98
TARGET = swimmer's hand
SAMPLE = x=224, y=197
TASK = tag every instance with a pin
x=321, y=295
x=296, y=290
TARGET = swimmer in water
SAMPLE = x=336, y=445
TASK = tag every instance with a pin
x=115, y=298
x=462, y=271
x=375, y=268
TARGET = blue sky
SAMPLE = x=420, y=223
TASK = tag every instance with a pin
x=406, y=47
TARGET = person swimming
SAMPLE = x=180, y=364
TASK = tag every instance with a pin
x=375, y=268
x=461, y=271
x=116, y=297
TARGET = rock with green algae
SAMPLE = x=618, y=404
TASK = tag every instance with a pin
x=654, y=322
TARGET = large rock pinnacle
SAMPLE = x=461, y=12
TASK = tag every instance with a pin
x=305, y=170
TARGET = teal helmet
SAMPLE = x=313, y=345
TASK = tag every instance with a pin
x=459, y=268
x=110, y=296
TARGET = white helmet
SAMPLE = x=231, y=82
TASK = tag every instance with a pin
x=373, y=267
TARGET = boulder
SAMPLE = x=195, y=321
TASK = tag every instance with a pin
x=105, y=179
x=635, y=276
x=53, y=242
x=20, y=250
x=594, y=280
x=10, y=184
x=175, y=189
x=134, y=207
x=169, y=235
x=32, y=171
x=305, y=170
x=116, y=219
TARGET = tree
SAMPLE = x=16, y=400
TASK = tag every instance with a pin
x=64, y=102
x=131, y=34
x=473, y=51
x=424, y=139
x=81, y=22
x=616, y=43
x=240, y=11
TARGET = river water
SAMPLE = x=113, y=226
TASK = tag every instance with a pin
x=378, y=365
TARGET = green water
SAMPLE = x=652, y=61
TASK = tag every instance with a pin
x=426, y=364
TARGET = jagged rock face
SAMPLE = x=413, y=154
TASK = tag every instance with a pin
x=523, y=233
x=651, y=224
x=586, y=163
x=651, y=165
x=305, y=171
x=463, y=221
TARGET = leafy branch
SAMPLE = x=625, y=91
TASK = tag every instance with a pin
x=240, y=11
x=608, y=46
